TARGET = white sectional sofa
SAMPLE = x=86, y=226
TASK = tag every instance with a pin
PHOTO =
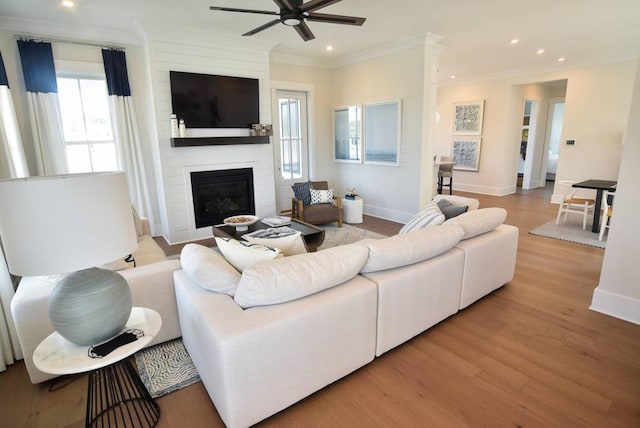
x=297, y=324
x=151, y=283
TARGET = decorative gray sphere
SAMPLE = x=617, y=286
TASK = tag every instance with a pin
x=90, y=306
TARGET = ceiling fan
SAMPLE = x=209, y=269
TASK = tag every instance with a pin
x=294, y=13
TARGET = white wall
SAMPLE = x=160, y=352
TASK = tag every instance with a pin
x=597, y=102
x=618, y=292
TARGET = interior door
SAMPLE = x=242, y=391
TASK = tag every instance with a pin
x=291, y=148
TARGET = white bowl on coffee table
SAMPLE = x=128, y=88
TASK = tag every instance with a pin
x=240, y=222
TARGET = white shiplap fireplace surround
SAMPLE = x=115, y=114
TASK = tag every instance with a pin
x=207, y=53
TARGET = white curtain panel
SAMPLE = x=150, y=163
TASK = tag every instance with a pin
x=46, y=127
x=130, y=151
x=12, y=159
x=9, y=345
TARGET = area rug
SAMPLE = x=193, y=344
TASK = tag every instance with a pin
x=570, y=231
x=166, y=367
x=347, y=234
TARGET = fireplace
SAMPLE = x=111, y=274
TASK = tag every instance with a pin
x=220, y=194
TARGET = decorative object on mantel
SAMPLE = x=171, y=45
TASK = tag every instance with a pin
x=175, y=133
x=262, y=130
x=71, y=223
x=182, y=129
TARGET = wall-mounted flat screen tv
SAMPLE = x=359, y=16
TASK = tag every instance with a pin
x=210, y=101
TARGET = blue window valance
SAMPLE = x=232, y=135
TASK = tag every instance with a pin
x=115, y=70
x=37, y=66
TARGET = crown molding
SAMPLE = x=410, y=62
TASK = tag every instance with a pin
x=421, y=40
x=43, y=29
x=301, y=61
x=533, y=73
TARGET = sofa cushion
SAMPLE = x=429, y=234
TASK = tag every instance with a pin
x=242, y=255
x=209, y=269
x=480, y=221
x=321, y=196
x=429, y=216
x=289, y=245
x=402, y=250
x=298, y=276
x=302, y=191
x=451, y=210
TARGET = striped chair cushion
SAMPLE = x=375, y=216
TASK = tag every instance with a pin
x=430, y=216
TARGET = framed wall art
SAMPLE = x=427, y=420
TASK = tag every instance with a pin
x=467, y=118
x=347, y=134
x=466, y=153
x=382, y=132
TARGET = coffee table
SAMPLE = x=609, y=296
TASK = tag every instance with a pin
x=313, y=236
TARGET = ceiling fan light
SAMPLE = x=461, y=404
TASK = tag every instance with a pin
x=291, y=22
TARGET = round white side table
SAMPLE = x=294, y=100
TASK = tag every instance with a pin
x=117, y=396
x=352, y=210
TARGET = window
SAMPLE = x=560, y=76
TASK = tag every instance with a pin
x=86, y=124
x=290, y=138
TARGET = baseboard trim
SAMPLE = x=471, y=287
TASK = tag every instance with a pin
x=616, y=305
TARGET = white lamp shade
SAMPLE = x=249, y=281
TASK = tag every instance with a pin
x=63, y=223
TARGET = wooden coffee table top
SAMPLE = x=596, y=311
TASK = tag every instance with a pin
x=313, y=236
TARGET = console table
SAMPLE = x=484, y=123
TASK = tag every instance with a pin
x=116, y=394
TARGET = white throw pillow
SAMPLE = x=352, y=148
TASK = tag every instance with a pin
x=429, y=216
x=242, y=255
x=298, y=276
x=321, y=196
x=480, y=221
x=289, y=245
x=209, y=269
x=401, y=250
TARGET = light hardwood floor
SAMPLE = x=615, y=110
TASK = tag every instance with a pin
x=531, y=354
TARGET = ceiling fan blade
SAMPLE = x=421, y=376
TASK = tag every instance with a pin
x=284, y=4
x=336, y=19
x=304, y=31
x=312, y=5
x=232, y=9
x=262, y=27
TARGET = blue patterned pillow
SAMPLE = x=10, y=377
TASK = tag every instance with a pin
x=302, y=191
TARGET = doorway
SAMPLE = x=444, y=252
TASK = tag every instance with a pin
x=527, y=144
x=291, y=144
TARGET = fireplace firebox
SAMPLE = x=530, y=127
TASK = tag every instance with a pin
x=221, y=194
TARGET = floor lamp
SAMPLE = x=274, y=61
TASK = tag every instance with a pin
x=68, y=224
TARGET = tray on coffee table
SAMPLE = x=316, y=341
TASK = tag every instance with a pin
x=313, y=236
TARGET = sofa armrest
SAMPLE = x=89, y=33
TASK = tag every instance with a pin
x=297, y=209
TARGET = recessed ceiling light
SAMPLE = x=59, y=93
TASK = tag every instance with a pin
x=453, y=76
x=540, y=51
x=329, y=48
x=68, y=3
x=514, y=41
x=561, y=59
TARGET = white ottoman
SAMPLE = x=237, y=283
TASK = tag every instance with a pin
x=352, y=210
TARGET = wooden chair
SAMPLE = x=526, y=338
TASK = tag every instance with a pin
x=573, y=204
x=445, y=171
x=318, y=213
x=607, y=212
